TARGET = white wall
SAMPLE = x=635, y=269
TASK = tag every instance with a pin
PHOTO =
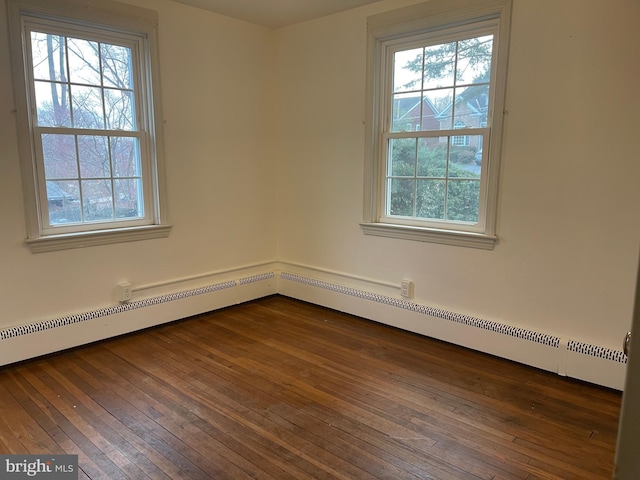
x=216, y=80
x=568, y=223
x=264, y=142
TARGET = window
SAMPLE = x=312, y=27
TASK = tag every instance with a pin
x=443, y=71
x=88, y=122
x=461, y=140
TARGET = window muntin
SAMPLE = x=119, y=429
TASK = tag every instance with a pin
x=434, y=175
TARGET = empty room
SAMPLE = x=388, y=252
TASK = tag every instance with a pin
x=318, y=239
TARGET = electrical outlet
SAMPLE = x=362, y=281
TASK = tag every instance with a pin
x=406, y=289
x=125, y=292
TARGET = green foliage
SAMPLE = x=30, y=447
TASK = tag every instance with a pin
x=429, y=187
x=463, y=155
x=463, y=199
x=440, y=60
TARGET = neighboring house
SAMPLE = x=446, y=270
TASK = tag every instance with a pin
x=411, y=113
x=470, y=112
x=408, y=116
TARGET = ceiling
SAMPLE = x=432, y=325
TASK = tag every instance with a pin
x=275, y=13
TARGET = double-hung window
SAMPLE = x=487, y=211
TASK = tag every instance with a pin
x=436, y=92
x=88, y=122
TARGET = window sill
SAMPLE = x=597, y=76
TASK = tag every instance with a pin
x=422, y=234
x=52, y=243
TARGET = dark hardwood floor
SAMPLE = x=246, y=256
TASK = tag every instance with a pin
x=279, y=389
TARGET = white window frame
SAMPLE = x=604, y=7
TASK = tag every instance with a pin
x=102, y=19
x=385, y=32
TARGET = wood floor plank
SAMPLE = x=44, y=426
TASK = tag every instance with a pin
x=141, y=449
x=244, y=397
x=80, y=424
x=284, y=379
x=251, y=406
x=140, y=421
x=241, y=418
x=201, y=443
x=510, y=437
x=280, y=389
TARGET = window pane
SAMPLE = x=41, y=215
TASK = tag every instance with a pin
x=94, y=156
x=63, y=202
x=52, y=104
x=439, y=65
x=97, y=200
x=116, y=66
x=402, y=157
x=84, y=62
x=407, y=69
x=128, y=198
x=437, y=109
x=119, y=109
x=432, y=157
x=472, y=106
x=401, y=196
x=87, y=107
x=59, y=155
x=474, y=60
x=463, y=197
x=406, y=111
x=48, y=57
x=125, y=155
x=430, y=199
x=463, y=156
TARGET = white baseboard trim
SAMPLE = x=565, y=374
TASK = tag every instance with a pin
x=370, y=299
x=568, y=357
x=47, y=336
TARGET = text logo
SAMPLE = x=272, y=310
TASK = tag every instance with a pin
x=49, y=467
